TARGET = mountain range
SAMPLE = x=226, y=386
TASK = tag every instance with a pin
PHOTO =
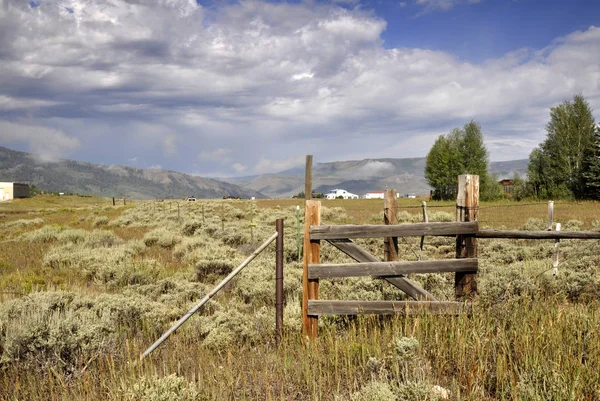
x=357, y=176
x=86, y=178
x=361, y=176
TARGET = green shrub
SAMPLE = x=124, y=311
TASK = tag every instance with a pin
x=100, y=221
x=535, y=224
x=22, y=223
x=211, y=270
x=572, y=225
x=162, y=237
x=168, y=388
x=375, y=391
x=44, y=234
x=190, y=227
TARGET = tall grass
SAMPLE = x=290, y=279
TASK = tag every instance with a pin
x=80, y=303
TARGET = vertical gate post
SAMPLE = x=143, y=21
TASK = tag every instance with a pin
x=312, y=255
x=390, y=210
x=279, y=281
x=467, y=209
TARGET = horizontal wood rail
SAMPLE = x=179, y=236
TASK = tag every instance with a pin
x=399, y=230
x=320, y=307
x=391, y=269
x=360, y=255
x=517, y=234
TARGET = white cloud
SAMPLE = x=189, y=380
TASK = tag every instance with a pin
x=256, y=84
x=373, y=168
x=46, y=143
x=239, y=168
x=170, y=144
x=268, y=166
x=220, y=155
x=442, y=5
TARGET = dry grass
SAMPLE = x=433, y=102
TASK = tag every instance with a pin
x=82, y=299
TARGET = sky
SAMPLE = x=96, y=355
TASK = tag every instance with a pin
x=235, y=88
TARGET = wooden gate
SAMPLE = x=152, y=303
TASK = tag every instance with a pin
x=465, y=266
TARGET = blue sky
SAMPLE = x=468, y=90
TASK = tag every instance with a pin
x=226, y=87
x=486, y=29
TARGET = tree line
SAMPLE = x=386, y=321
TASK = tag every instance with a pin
x=566, y=165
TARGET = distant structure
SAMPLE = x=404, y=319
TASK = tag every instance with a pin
x=410, y=196
x=336, y=193
x=12, y=190
x=374, y=195
x=506, y=185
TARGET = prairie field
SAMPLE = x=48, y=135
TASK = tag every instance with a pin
x=86, y=287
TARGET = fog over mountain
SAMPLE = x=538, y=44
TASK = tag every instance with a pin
x=361, y=176
x=85, y=178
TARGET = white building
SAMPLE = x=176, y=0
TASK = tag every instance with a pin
x=374, y=195
x=12, y=190
x=336, y=193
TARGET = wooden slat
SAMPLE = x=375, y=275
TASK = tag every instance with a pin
x=322, y=307
x=391, y=269
x=516, y=234
x=399, y=230
x=360, y=255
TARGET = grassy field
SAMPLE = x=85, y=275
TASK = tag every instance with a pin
x=85, y=287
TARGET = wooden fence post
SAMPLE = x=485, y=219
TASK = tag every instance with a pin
x=425, y=220
x=308, y=178
x=113, y=200
x=467, y=209
x=312, y=255
x=124, y=202
x=279, y=282
x=390, y=210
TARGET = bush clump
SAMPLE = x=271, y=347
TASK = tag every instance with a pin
x=162, y=237
x=168, y=388
x=190, y=227
x=22, y=223
x=100, y=221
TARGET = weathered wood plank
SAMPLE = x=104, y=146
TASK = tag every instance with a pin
x=360, y=255
x=312, y=254
x=391, y=269
x=399, y=230
x=516, y=234
x=322, y=307
x=390, y=208
x=467, y=209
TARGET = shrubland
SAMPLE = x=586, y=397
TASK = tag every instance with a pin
x=86, y=288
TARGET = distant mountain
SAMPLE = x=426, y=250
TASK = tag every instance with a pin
x=94, y=179
x=361, y=176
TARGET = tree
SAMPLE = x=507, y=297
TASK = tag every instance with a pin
x=556, y=168
x=462, y=151
x=591, y=167
x=442, y=166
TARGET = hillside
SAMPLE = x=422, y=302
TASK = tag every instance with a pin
x=361, y=176
x=85, y=178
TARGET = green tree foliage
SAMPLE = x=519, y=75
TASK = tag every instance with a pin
x=591, y=168
x=462, y=151
x=556, y=169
